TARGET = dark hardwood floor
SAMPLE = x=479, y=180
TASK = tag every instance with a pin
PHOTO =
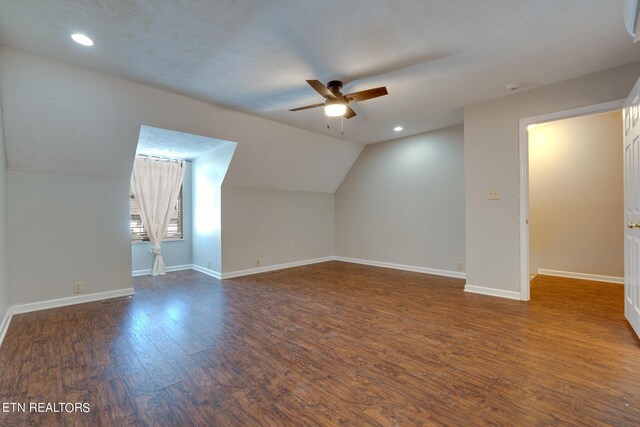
x=329, y=344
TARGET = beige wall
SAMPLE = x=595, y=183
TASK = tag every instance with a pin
x=576, y=195
x=403, y=202
x=275, y=226
x=491, y=160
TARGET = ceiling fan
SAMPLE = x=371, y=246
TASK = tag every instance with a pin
x=336, y=104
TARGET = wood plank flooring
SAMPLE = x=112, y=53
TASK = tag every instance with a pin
x=328, y=344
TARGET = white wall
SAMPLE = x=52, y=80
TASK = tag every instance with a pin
x=209, y=171
x=403, y=202
x=275, y=226
x=491, y=160
x=174, y=252
x=576, y=195
x=65, y=229
x=5, y=302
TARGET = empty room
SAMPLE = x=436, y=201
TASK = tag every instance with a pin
x=285, y=213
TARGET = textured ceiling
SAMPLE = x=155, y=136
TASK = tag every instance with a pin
x=175, y=145
x=254, y=56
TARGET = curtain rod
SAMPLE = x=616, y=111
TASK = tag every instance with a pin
x=163, y=158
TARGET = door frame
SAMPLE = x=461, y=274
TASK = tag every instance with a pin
x=525, y=286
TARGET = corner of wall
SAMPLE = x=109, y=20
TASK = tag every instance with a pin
x=5, y=302
x=402, y=203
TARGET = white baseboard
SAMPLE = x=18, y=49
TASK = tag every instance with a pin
x=446, y=273
x=147, y=271
x=493, y=292
x=206, y=271
x=267, y=268
x=583, y=276
x=4, y=326
x=61, y=302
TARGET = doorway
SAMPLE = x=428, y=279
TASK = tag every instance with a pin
x=526, y=125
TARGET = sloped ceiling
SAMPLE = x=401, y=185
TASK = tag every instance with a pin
x=435, y=57
x=66, y=120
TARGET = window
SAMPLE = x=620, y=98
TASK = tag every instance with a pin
x=138, y=233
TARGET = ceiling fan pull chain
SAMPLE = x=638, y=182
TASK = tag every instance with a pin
x=327, y=122
x=342, y=124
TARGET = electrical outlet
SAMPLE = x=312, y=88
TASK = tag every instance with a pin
x=258, y=262
x=460, y=266
x=493, y=194
x=358, y=255
x=77, y=288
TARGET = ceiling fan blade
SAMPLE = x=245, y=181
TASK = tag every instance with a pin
x=363, y=95
x=308, y=106
x=350, y=113
x=321, y=89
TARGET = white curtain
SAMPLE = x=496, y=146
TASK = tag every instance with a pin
x=156, y=186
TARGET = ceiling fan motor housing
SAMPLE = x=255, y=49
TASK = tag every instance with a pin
x=334, y=86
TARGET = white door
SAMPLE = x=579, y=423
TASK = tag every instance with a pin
x=632, y=208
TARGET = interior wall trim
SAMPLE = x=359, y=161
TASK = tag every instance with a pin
x=267, y=268
x=426, y=270
x=4, y=326
x=206, y=271
x=58, y=302
x=523, y=195
x=147, y=271
x=583, y=276
x=274, y=267
x=77, y=299
x=493, y=292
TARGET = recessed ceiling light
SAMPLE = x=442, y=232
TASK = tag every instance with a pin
x=82, y=39
x=398, y=128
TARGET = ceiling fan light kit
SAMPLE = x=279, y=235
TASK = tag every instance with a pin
x=335, y=108
x=336, y=104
